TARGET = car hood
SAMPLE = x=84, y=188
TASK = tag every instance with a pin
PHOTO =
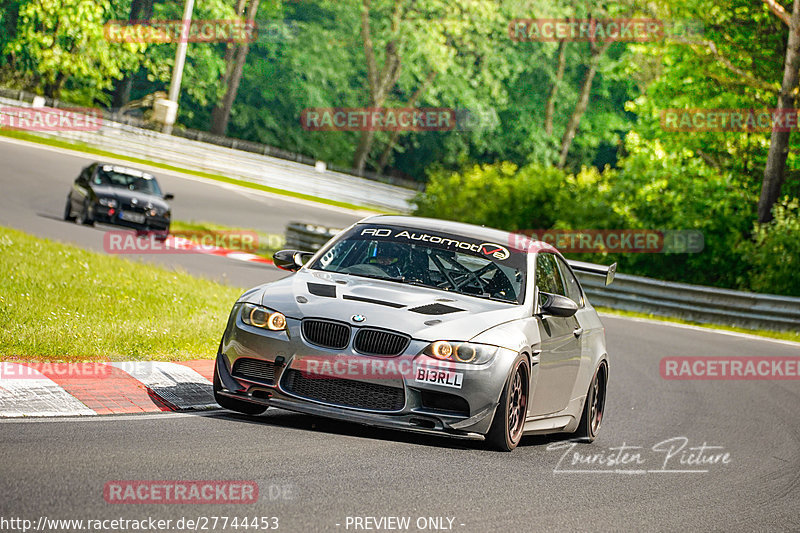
x=124, y=197
x=424, y=314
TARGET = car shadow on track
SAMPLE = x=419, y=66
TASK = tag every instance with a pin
x=289, y=420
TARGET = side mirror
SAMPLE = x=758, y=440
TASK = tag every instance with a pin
x=291, y=260
x=557, y=305
x=169, y=197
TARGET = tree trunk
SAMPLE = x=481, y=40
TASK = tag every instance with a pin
x=774, y=173
x=551, y=99
x=396, y=135
x=235, y=56
x=380, y=83
x=140, y=10
x=583, y=102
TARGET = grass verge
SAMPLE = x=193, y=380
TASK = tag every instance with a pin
x=62, y=303
x=85, y=148
x=782, y=335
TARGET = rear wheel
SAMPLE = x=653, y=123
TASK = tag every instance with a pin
x=232, y=403
x=594, y=406
x=509, y=418
x=68, y=211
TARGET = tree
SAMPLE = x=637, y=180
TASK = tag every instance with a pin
x=61, y=42
x=140, y=10
x=235, y=56
x=596, y=52
x=774, y=172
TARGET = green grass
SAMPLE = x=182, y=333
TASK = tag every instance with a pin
x=267, y=243
x=782, y=335
x=85, y=148
x=62, y=303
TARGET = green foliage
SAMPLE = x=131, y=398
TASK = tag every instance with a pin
x=773, y=256
x=653, y=189
x=60, y=49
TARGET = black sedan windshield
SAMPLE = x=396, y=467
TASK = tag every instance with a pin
x=450, y=263
x=127, y=179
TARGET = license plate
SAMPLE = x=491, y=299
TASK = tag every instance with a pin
x=132, y=217
x=438, y=376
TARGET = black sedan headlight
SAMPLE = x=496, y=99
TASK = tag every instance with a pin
x=262, y=317
x=461, y=352
x=108, y=202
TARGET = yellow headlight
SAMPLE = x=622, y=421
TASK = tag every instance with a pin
x=259, y=317
x=441, y=350
x=276, y=322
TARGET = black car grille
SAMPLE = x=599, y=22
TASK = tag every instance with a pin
x=254, y=370
x=378, y=342
x=344, y=392
x=326, y=334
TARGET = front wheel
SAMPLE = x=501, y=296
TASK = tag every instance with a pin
x=594, y=406
x=509, y=418
x=233, y=404
x=85, y=215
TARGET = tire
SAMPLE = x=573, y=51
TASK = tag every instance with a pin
x=509, y=418
x=594, y=406
x=233, y=404
x=68, y=211
x=85, y=215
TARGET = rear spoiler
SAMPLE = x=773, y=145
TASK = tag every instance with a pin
x=591, y=268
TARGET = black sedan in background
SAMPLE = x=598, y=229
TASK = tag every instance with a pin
x=118, y=195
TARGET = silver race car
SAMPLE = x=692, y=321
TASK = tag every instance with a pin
x=424, y=325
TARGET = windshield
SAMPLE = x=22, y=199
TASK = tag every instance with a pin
x=133, y=180
x=439, y=261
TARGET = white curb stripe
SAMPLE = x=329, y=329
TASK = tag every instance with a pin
x=36, y=395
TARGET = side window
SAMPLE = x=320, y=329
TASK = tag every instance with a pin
x=571, y=284
x=85, y=174
x=548, y=278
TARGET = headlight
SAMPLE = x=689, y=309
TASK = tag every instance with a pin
x=261, y=317
x=461, y=352
x=108, y=202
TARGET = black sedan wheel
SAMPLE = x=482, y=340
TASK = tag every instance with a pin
x=68, y=211
x=509, y=418
x=85, y=215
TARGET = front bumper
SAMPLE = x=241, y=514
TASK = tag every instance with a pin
x=108, y=215
x=465, y=411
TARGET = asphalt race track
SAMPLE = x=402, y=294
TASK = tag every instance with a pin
x=318, y=475
x=35, y=180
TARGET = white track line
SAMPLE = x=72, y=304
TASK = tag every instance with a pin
x=701, y=328
x=35, y=395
